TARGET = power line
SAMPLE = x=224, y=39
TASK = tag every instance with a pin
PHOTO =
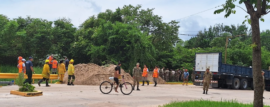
x=200, y=12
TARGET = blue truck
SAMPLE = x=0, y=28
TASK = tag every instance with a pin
x=225, y=75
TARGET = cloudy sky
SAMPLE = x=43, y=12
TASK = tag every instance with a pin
x=78, y=11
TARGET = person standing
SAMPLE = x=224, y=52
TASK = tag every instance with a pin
x=182, y=74
x=185, y=79
x=21, y=66
x=71, y=73
x=167, y=75
x=29, y=70
x=61, y=71
x=207, y=77
x=155, y=75
x=45, y=74
x=54, y=66
x=177, y=75
x=50, y=58
x=136, y=75
x=66, y=62
x=162, y=73
x=173, y=75
x=145, y=75
x=20, y=59
x=193, y=75
x=263, y=82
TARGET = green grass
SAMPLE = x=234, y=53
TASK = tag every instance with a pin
x=208, y=103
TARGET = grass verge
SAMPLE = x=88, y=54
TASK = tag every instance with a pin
x=208, y=103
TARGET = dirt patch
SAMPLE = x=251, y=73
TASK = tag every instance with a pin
x=92, y=74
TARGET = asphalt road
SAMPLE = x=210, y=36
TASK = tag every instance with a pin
x=90, y=96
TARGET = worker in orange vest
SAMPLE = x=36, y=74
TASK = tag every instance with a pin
x=145, y=75
x=155, y=75
x=50, y=58
x=21, y=66
x=20, y=59
x=54, y=66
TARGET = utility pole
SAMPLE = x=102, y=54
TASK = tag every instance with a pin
x=226, y=45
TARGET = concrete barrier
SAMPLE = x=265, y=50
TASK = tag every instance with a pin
x=35, y=76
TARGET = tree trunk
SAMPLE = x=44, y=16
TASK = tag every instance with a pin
x=256, y=62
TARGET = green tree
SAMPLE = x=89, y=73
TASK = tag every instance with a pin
x=256, y=9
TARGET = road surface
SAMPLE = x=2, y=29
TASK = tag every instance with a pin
x=60, y=95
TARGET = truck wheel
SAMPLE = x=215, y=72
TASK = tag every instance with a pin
x=236, y=83
x=244, y=84
x=251, y=85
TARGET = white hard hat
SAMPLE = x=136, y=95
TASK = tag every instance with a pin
x=23, y=60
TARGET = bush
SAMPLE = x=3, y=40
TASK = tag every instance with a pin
x=20, y=79
x=27, y=88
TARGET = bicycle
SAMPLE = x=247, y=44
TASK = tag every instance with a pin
x=107, y=86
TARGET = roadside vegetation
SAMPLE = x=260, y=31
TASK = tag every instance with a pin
x=208, y=103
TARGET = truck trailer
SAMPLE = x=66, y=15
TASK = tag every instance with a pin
x=225, y=75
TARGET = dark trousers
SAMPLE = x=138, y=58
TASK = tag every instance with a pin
x=46, y=79
x=29, y=79
x=50, y=65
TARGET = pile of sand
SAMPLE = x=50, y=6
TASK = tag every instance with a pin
x=159, y=80
x=92, y=74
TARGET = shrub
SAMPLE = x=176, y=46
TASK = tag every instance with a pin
x=20, y=79
x=27, y=88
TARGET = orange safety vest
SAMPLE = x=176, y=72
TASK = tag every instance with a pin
x=155, y=73
x=54, y=64
x=20, y=59
x=20, y=67
x=50, y=59
x=144, y=74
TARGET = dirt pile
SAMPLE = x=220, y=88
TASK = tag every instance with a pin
x=92, y=74
x=159, y=80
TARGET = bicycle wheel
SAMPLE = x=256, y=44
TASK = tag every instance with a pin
x=126, y=88
x=106, y=87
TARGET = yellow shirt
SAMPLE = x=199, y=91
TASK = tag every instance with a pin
x=70, y=69
x=61, y=68
x=46, y=71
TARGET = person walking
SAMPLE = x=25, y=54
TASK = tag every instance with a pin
x=71, y=73
x=155, y=75
x=66, y=62
x=136, y=76
x=45, y=73
x=207, y=77
x=21, y=66
x=145, y=75
x=263, y=82
x=50, y=58
x=185, y=79
x=54, y=66
x=61, y=71
x=29, y=70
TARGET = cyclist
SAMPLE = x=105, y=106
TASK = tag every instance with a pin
x=117, y=75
